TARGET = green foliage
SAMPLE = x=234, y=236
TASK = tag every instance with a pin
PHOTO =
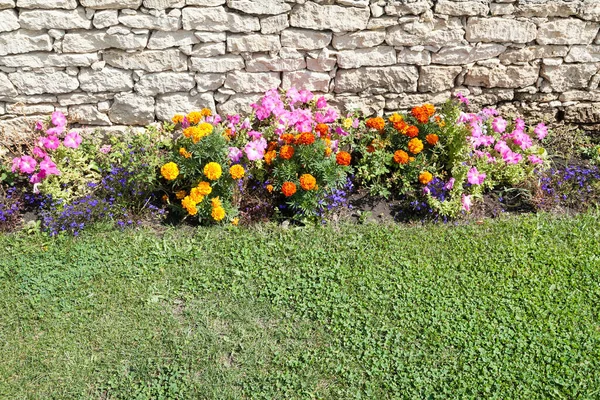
x=479, y=311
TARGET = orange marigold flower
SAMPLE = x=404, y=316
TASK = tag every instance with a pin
x=432, y=139
x=180, y=194
x=206, y=112
x=178, y=118
x=322, y=129
x=401, y=157
x=377, y=123
x=306, y=138
x=287, y=138
x=429, y=109
x=184, y=153
x=425, y=177
x=189, y=205
x=204, y=188
x=401, y=126
x=272, y=146
x=343, y=158
x=308, y=182
x=218, y=213
x=395, y=117
x=370, y=148
x=237, y=171
x=196, y=195
x=441, y=123
x=288, y=189
x=194, y=117
x=286, y=152
x=169, y=171
x=415, y=146
x=420, y=114
x=213, y=171
x=328, y=151
x=187, y=132
x=412, y=131
x=165, y=198
x=270, y=156
x=269, y=188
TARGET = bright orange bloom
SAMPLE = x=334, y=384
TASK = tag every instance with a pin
x=206, y=112
x=180, y=194
x=308, y=182
x=270, y=156
x=184, y=153
x=425, y=177
x=412, y=131
x=169, y=171
x=218, y=213
x=196, y=196
x=401, y=127
x=237, y=171
x=178, y=119
x=286, y=152
x=415, y=146
x=322, y=130
x=287, y=138
x=441, y=123
x=420, y=114
x=205, y=188
x=401, y=157
x=432, y=139
x=395, y=117
x=194, y=117
x=429, y=109
x=288, y=189
x=272, y=146
x=189, y=205
x=328, y=151
x=269, y=188
x=343, y=158
x=306, y=138
x=377, y=123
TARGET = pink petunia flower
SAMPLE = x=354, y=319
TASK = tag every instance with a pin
x=105, y=149
x=72, y=140
x=499, y=125
x=246, y=124
x=235, y=154
x=39, y=126
x=16, y=165
x=467, y=202
x=255, y=150
x=512, y=157
x=540, y=131
x=321, y=102
x=56, y=131
x=535, y=159
x=306, y=96
x=462, y=99
x=27, y=164
x=58, y=119
x=48, y=167
x=51, y=142
x=450, y=184
x=39, y=153
x=474, y=177
x=255, y=134
x=37, y=178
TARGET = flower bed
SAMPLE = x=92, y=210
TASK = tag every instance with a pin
x=293, y=157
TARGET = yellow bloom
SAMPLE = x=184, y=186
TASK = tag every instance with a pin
x=184, y=153
x=194, y=117
x=218, y=213
x=415, y=146
x=395, y=117
x=178, y=119
x=169, y=171
x=180, y=194
x=235, y=221
x=200, y=131
x=347, y=123
x=237, y=171
x=216, y=202
x=206, y=112
x=213, y=171
x=189, y=205
x=196, y=195
x=204, y=188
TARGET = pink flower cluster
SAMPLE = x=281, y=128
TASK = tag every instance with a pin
x=29, y=165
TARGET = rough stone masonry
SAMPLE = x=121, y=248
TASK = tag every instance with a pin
x=112, y=63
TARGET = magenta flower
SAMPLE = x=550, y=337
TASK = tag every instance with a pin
x=355, y=123
x=502, y=148
x=467, y=202
x=39, y=126
x=499, y=125
x=255, y=134
x=48, y=167
x=519, y=124
x=105, y=149
x=522, y=139
x=512, y=157
x=37, y=178
x=235, y=154
x=450, y=184
x=474, y=177
x=72, y=140
x=535, y=159
x=462, y=99
x=293, y=95
x=306, y=96
x=51, y=142
x=39, y=153
x=341, y=131
x=58, y=119
x=234, y=119
x=16, y=165
x=246, y=124
x=426, y=191
x=56, y=131
x=321, y=102
x=27, y=164
x=540, y=131
x=255, y=150
x=185, y=123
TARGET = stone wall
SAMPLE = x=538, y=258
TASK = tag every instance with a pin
x=131, y=62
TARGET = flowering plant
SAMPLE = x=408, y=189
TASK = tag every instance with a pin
x=199, y=179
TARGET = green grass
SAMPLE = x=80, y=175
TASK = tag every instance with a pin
x=508, y=309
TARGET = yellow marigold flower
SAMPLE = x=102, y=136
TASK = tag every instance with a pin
x=180, y=194
x=328, y=151
x=347, y=123
x=395, y=117
x=425, y=177
x=206, y=112
x=204, y=188
x=184, y=153
x=196, y=195
x=216, y=202
x=213, y=171
x=189, y=131
x=178, y=119
x=415, y=145
x=429, y=109
x=218, y=213
x=308, y=182
x=194, y=117
x=169, y=171
x=270, y=156
x=189, y=205
x=237, y=171
x=235, y=221
x=200, y=131
x=270, y=188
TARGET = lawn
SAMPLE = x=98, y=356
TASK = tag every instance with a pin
x=507, y=309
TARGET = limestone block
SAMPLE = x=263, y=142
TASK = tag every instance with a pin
x=568, y=76
x=460, y=55
x=163, y=4
x=531, y=53
x=167, y=105
x=147, y=60
x=217, y=64
x=358, y=40
x=583, y=54
x=88, y=114
x=252, y=43
x=106, y=80
x=209, y=82
x=303, y=39
x=497, y=29
x=436, y=79
x=373, y=57
x=461, y=8
x=160, y=22
x=42, y=60
x=111, y=4
x=48, y=4
x=163, y=40
x=396, y=79
x=252, y=82
x=309, y=80
x=54, y=19
x=262, y=7
x=274, y=24
x=6, y=86
x=131, y=109
x=315, y=16
x=217, y=19
x=238, y=104
x=274, y=63
x=165, y=82
x=40, y=82
x=106, y=18
x=438, y=32
x=567, y=31
x=9, y=21
x=502, y=76
x=87, y=41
